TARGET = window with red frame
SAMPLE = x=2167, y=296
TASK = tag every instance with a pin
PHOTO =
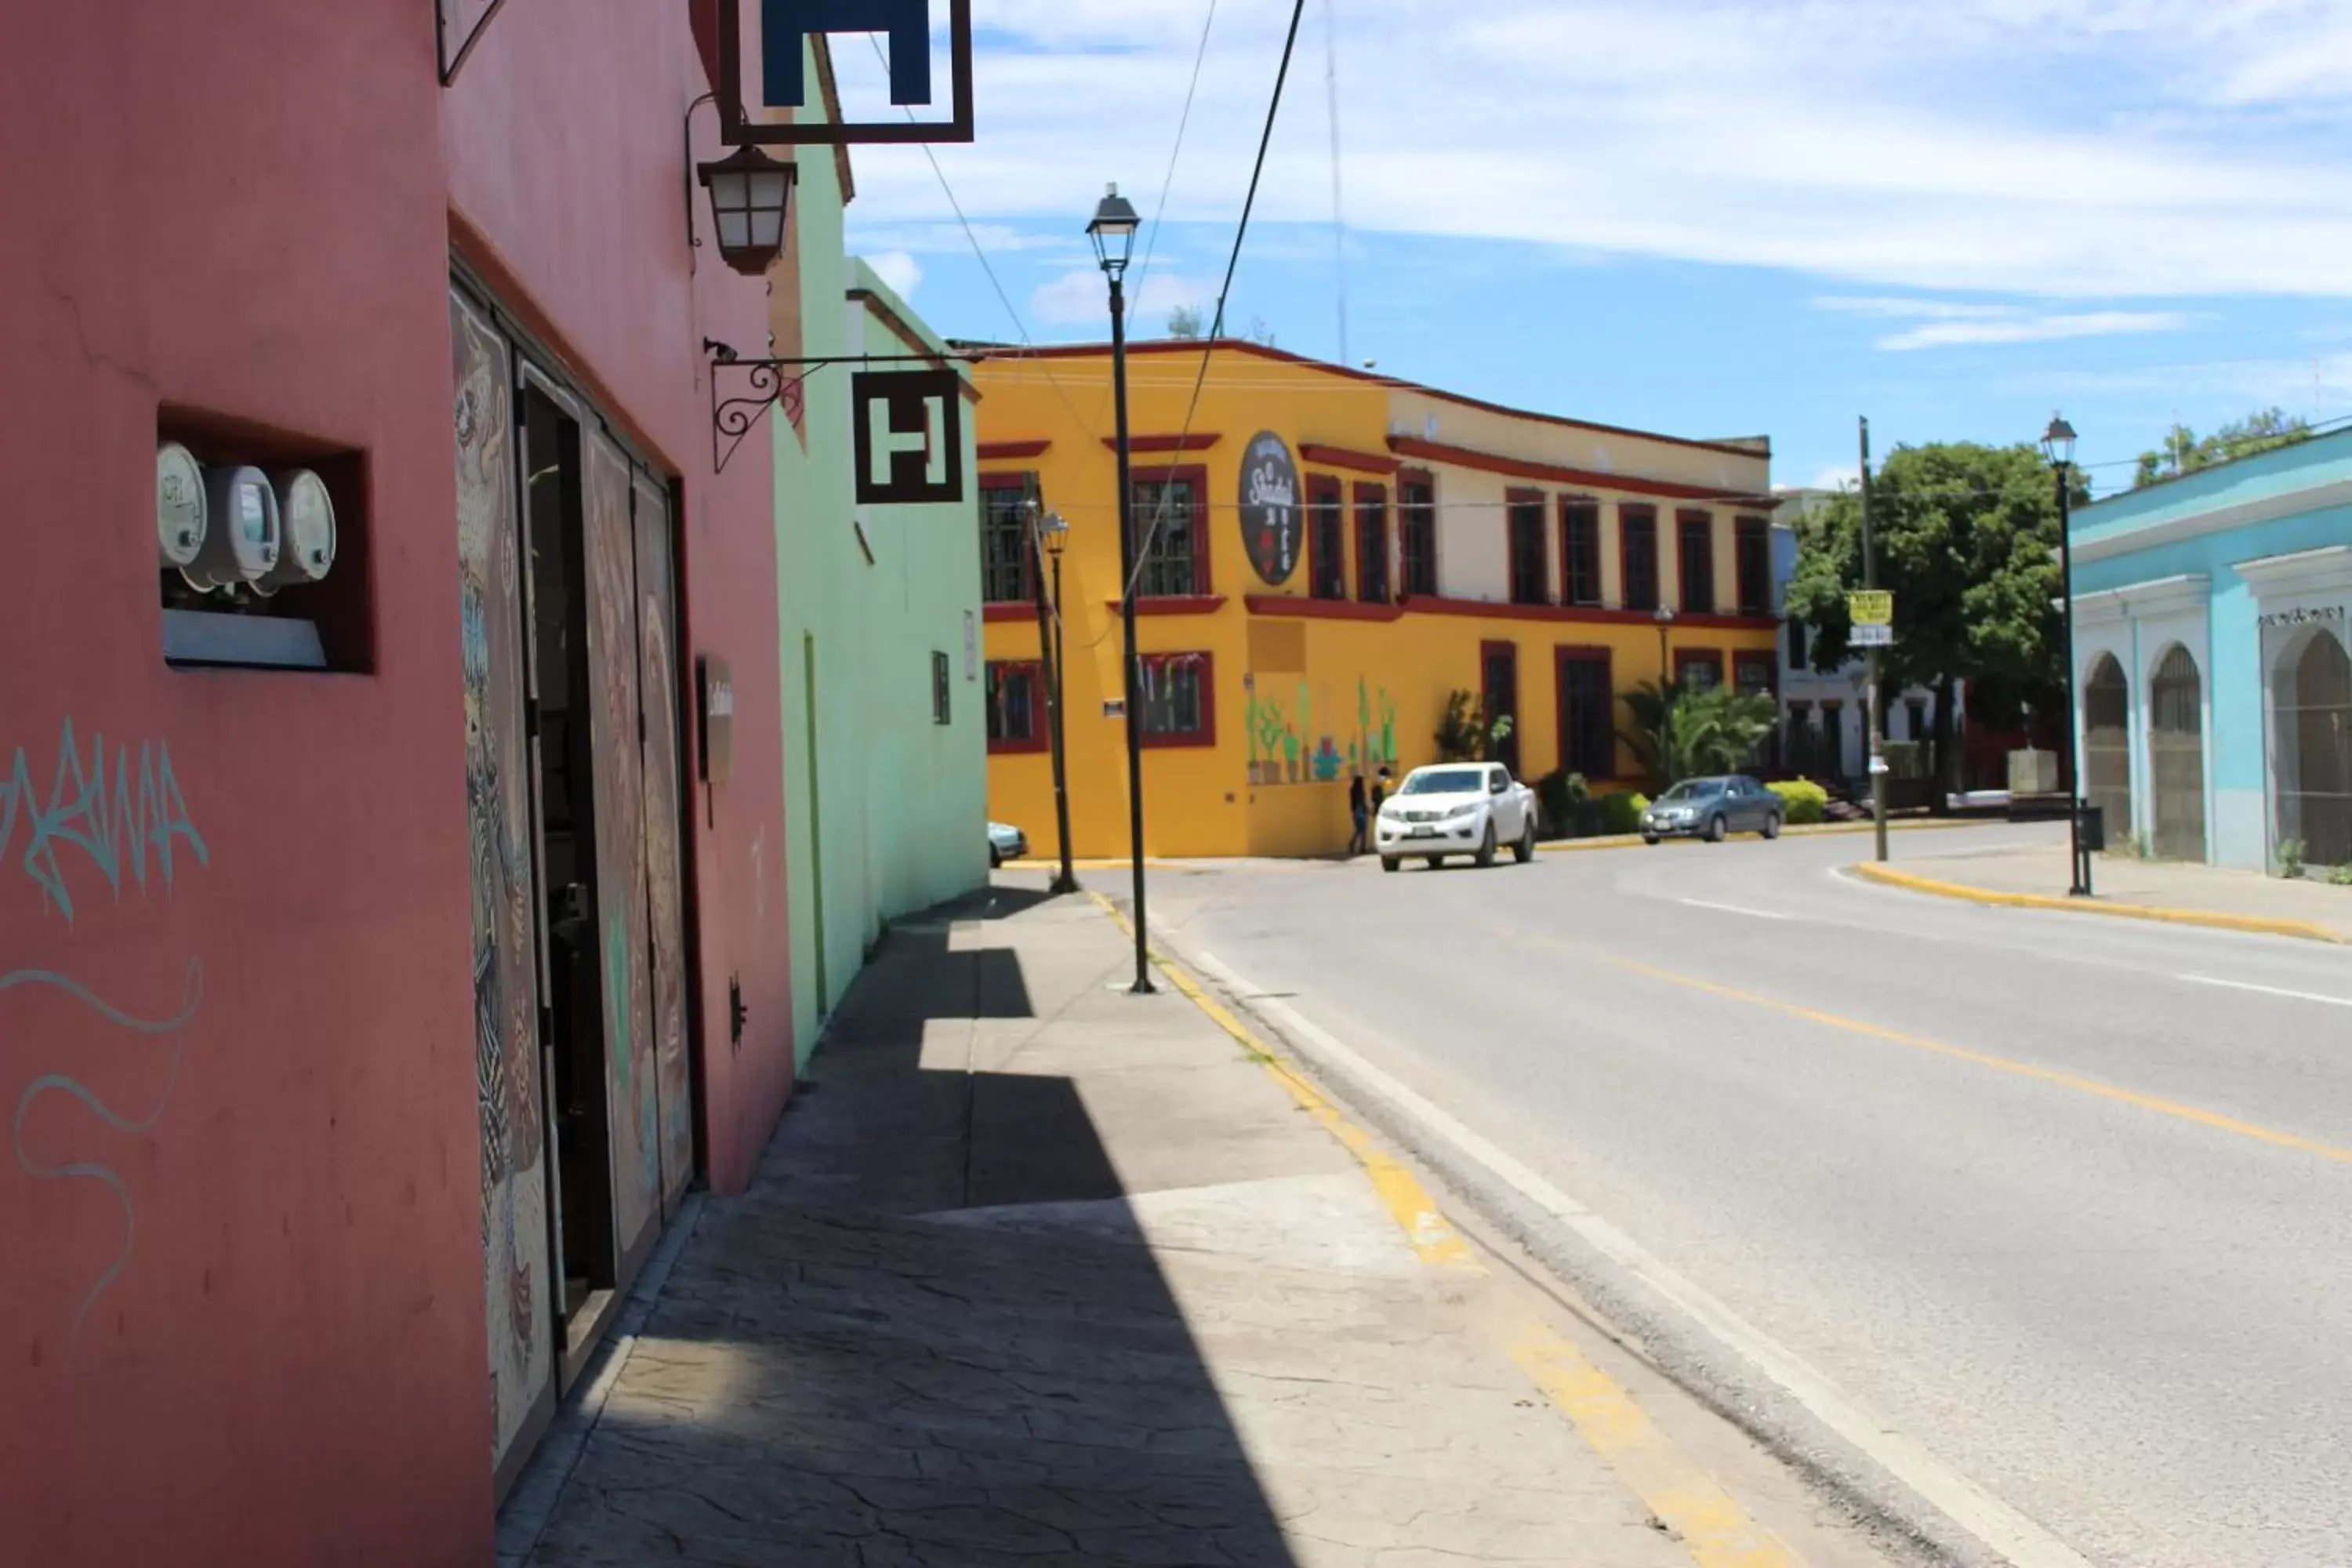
x=1588, y=732
x=1753, y=543
x=1580, y=551
x=1178, y=700
x=1527, y=543
x=1697, y=669
x=1752, y=673
x=1371, y=544
x=1637, y=537
x=1004, y=547
x=1172, y=537
x=1417, y=532
x=1694, y=553
x=1326, y=542
x=1016, y=706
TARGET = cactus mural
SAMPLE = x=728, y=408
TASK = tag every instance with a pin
x=1285, y=749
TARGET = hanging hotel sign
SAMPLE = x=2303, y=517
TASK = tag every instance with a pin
x=1270, y=521
x=908, y=432
x=785, y=26
x=1870, y=607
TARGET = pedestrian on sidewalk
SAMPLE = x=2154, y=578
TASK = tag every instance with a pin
x=1359, y=814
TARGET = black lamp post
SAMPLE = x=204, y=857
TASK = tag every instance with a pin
x=1113, y=233
x=1664, y=615
x=1053, y=535
x=750, y=194
x=2058, y=446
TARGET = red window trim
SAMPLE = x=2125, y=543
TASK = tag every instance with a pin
x=1206, y=735
x=1684, y=517
x=1564, y=654
x=1204, y=577
x=1365, y=490
x=1193, y=441
x=1513, y=499
x=998, y=610
x=1418, y=477
x=1590, y=615
x=996, y=451
x=1014, y=480
x=1627, y=512
x=1568, y=503
x=1040, y=737
x=1301, y=607
x=1347, y=457
x=1323, y=488
x=1712, y=657
x=1172, y=604
x=1743, y=527
x=1490, y=645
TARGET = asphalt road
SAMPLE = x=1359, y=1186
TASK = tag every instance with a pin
x=2067, y=1201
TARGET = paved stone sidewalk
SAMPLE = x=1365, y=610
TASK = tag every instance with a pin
x=2041, y=869
x=1040, y=1272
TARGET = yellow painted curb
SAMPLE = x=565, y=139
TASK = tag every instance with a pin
x=1712, y=1526
x=2309, y=931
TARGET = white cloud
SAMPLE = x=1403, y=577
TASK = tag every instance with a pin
x=2034, y=329
x=2084, y=148
x=899, y=270
x=1079, y=298
x=1837, y=477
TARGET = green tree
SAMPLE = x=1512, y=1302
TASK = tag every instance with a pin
x=1968, y=541
x=2184, y=452
x=1678, y=733
x=1184, y=321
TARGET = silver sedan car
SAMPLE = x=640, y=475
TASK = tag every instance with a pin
x=1711, y=809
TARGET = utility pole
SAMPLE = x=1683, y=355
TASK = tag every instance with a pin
x=1134, y=660
x=1870, y=716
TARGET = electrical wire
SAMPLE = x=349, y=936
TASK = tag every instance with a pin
x=1168, y=182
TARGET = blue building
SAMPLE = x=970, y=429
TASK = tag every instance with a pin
x=2214, y=680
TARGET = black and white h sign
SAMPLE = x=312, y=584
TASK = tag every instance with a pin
x=910, y=437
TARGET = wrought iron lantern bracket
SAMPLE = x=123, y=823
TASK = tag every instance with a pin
x=445, y=18
x=741, y=389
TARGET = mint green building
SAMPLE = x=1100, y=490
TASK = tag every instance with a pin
x=886, y=765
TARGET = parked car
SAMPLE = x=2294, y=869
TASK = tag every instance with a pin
x=1710, y=808
x=1456, y=809
x=1005, y=842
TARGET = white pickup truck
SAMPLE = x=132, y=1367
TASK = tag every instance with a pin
x=1456, y=809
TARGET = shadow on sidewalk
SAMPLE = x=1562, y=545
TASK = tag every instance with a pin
x=846, y=1370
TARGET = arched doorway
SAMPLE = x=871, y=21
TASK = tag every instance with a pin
x=2313, y=698
x=2106, y=745
x=2176, y=753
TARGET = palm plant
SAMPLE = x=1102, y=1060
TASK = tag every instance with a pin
x=1679, y=733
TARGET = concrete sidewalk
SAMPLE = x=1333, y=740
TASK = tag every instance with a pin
x=1040, y=1272
x=2156, y=889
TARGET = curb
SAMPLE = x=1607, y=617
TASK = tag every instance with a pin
x=2260, y=925
x=1802, y=830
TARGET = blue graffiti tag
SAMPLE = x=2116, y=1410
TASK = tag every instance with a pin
x=115, y=830
x=105, y=1175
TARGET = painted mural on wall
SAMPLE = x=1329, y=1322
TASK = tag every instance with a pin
x=1285, y=748
x=101, y=823
x=635, y=1096
x=658, y=678
x=519, y=1292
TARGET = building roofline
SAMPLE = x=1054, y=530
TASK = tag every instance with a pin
x=1735, y=448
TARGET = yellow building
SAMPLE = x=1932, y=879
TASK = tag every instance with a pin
x=1333, y=554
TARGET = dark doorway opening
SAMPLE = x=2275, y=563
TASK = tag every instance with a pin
x=1499, y=681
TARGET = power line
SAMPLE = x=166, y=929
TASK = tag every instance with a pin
x=1233, y=264
x=1338, y=212
x=1160, y=212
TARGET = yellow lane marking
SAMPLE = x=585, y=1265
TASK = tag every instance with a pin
x=1713, y=1526
x=2263, y=925
x=1709, y=1522
x=2058, y=1076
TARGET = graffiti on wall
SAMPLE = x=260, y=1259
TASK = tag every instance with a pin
x=110, y=819
x=517, y=1287
x=634, y=1099
x=115, y=818
x=1284, y=748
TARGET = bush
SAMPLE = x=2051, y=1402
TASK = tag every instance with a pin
x=1620, y=811
x=2340, y=878
x=2289, y=860
x=1805, y=801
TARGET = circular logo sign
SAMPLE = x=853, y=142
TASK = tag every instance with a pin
x=1270, y=520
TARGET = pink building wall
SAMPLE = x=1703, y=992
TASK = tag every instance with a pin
x=242, y=1318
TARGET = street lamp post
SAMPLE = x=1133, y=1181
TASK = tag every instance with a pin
x=1053, y=535
x=2058, y=446
x=1113, y=233
x=1664, y=615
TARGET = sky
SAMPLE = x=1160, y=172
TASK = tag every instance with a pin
x=1704, y=217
